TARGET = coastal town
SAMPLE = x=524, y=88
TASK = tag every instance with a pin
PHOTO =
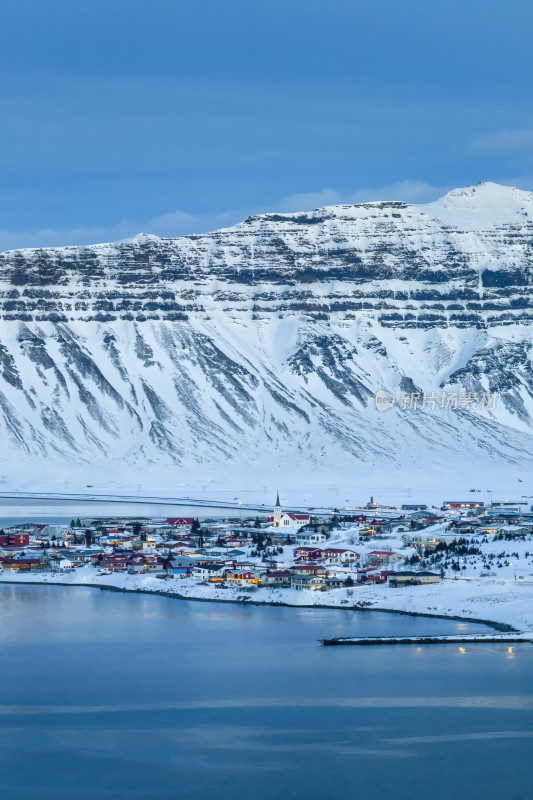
x=294, y=558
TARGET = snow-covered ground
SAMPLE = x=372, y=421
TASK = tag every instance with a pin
x=333, y=482
x=332, y=486
x=489, y=599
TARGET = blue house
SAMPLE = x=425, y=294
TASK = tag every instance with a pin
x=180, y=566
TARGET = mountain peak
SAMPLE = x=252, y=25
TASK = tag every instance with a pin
x=483, y=206
x=484, y=190
x=141, y=238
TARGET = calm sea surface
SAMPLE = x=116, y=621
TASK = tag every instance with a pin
x=109, y=695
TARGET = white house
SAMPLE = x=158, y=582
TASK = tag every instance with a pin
x=300, y=582
x=292, y=521
x=379, y=557
x=310, y=537
x=210, y=572
x=337, y=555
x=134, y=569
x=60, y=563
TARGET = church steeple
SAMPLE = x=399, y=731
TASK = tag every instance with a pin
x=277, y=511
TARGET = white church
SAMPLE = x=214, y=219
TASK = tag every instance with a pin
x=289, y=521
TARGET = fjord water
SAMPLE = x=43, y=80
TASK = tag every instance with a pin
x=108, y=695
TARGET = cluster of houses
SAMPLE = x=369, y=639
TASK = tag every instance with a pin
x=472, y=519
x=294, y=553
x=287, y=550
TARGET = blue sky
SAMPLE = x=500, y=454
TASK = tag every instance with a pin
x=174, y=116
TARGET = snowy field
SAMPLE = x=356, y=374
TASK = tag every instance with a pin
x=298, y=486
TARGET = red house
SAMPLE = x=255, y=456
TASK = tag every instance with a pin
x=277, y=578
x=234, y=541
x=22, y=564
x=307, y=553
x=14, y=539
x=180, y=522
x=370, y=575
x=113, y=563
x=243, y=576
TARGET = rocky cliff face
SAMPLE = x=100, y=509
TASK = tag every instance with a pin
x=265, y=343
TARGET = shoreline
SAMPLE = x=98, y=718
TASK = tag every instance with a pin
x=499, y=626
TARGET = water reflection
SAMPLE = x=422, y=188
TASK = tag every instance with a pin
x=116, y=695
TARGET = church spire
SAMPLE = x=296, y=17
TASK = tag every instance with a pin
x=277, y=512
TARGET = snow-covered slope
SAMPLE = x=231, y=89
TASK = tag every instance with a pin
x=261, y=346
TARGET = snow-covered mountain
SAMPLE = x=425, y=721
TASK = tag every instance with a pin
x=260, y=347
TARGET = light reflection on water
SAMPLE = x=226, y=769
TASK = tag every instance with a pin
x=116, y=695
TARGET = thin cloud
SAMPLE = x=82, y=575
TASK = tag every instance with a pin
x=460, y=737
x=521, y=139
x=408, y=191
x=180, y=223
x=175, y=223
x=521, y=182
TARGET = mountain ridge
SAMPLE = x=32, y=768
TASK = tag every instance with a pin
x=264, y=344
